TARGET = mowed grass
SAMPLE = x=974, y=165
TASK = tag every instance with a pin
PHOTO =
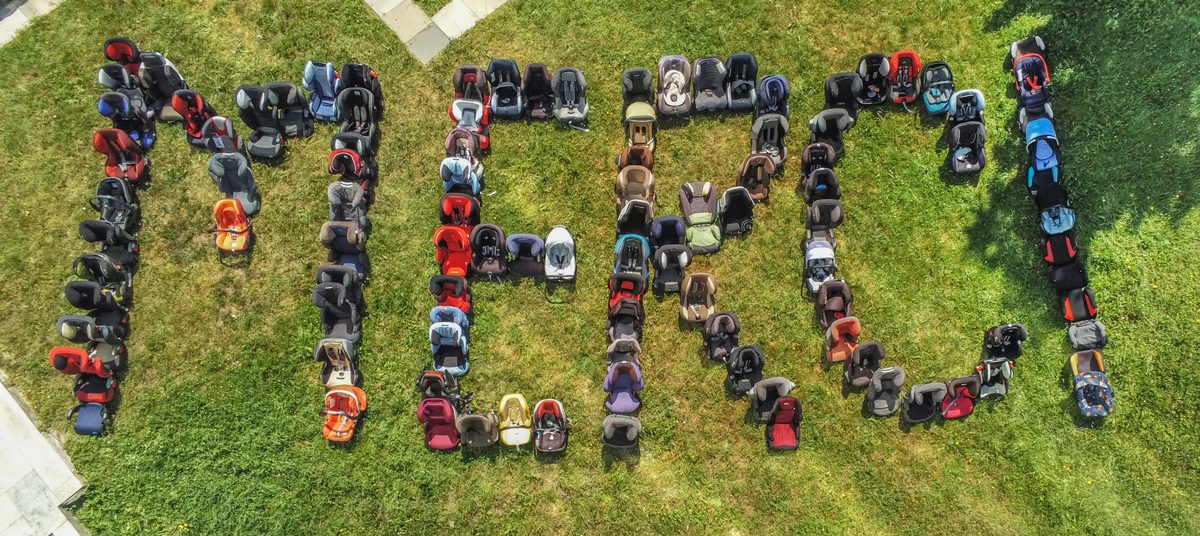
x=218, y=430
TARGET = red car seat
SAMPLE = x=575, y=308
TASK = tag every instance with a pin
x=783, y=426
x=438, y=415
x=451, y=291
x=125, y=157
x=453, y=250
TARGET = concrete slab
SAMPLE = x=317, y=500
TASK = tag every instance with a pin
x=428, y=43
x=36, y=8
x=383, y=6
x=36, y=478
x=13, y=23
x=455, y=19
x=483, y=8
x=406, y=19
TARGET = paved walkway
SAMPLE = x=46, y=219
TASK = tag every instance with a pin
x=35, y=476
x=425, y=36
x=15, y=16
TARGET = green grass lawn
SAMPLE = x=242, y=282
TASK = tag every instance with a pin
x=218, y=430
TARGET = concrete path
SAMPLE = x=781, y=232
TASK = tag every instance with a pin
x=425, y=36
x=35, y=476
x=15, y=16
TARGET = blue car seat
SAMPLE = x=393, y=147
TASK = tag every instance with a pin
x=89, y=418
x=632, y=255
x=1041, y=141
x=1056, y=212
x=129, y=116
x=323, y=84
x=773, y=93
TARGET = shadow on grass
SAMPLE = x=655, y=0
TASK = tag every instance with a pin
x=615, y=458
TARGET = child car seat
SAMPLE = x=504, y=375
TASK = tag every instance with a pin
x=1056, y=212
x=256, y=111
x=293, y=116
x=124, y=52
x=357, y=106
x=451, y=291
x=632, y=254
x=478, y=430
x=937, y=83
x=560, y=254
x=570, y=95
x=1041, y=142
x=470, y=82
x=108, y=327
x=128, y=116
x=783, y=424
x=637, y=155
x=767, y=136
x=525, y=255
x=873, y=70
x=339, y=362
x=323, y=83
x=507, y=101
x=635, y=217
x=883, y=394
x=539, y=95
x=842, y=91
x=116, y=203
x=434, y=384
x=473, y=116
x=195, y=111
x=489, y=252
x=219, y=136
x=107, y=272
x=1094, y=394
x=773, y=93
x=816, y=156
x=820, y=264
x=924, y=402
x=637, y=85
x=339, y=315
x=641, y=125
x=699, y=203
x=994, y=375
x=346, y=244
x=357, y=75
x=669, y=263
x=515, y=423
x=620, y=431
x=625, y=320
x=233, y=231
x=231, y=173
x=348, y=278
x=904, y=76
x=740, y=87
x=668, y=230
x=93, y=389
x=454, y=315
x=755, y=175
x=634, y=182
x=1031, y=71
x=448, y=343
x=841, y=339
x=834, y=301
x=1087, y=361
x=624, y=350
x=115, y=244
x=708, y=87
x=1068, y=277
x=348, y=202
x=458, y=175
x=1088, y=335
x=71, y=360
x=736, y=211
x=745, y=368
x=460, y=210
x=1060, y=248
x=1078, y=305
x=1004, y=341
x=625, y=286
x=961, y=394
x=344, y=406
x=821, y=183
x=89, y=418
x=125, y=158
x=967, y=151
x=697, y=297
x=161, y=80
x=674, y=83
x=453, y=249
x=551, y=426
x=352, y=157
x=438, y=416
x=463, y=143
x=765, y=394
x=623, y=382
x=863, y=363
x=721, y=332
x=829, y=126
x=966, y=105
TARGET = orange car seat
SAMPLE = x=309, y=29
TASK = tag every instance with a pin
x=841, y=339
x=233, y=226
x=453, y=250
x=343, y=407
